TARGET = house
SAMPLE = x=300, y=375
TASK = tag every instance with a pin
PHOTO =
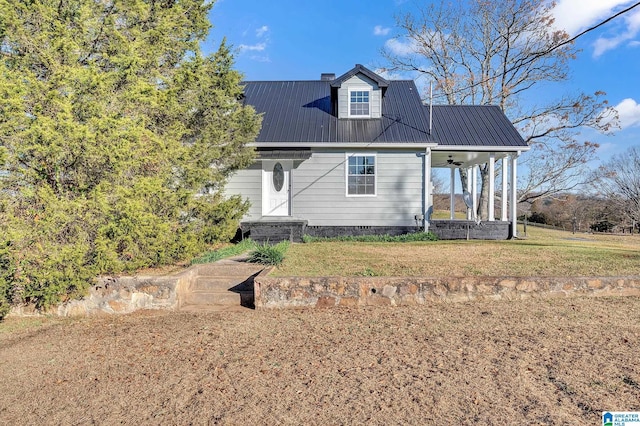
x=353, y=155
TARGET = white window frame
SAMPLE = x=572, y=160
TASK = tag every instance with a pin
x=349, y=155
x=359, y=89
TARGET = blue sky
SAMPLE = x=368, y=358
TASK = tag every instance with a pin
x=300, y=39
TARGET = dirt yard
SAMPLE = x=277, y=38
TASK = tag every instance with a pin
x=530, y=362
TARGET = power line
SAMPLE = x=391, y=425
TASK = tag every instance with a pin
x=574, y=38
x=551, y=49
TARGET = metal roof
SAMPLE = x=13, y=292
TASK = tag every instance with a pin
x=301, y=112
x=473, y=125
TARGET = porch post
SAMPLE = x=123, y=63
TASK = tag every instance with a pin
x=474, y=192
x=469, y=178
x=428, y=204
x=492, y=187
x=452, y=203
x=514, y=187
x=505, y=196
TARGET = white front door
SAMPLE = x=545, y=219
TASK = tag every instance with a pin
x=276, y=187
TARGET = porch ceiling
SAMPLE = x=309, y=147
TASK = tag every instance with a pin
x=440, y=159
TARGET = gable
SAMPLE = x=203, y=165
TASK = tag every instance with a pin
x=350, y=89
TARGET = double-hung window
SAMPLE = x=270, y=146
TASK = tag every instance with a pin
x=359, y=103
x=361, y=175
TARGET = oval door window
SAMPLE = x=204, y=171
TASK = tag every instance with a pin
x=278, y=177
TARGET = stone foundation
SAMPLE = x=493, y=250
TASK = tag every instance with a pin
x=328, y=292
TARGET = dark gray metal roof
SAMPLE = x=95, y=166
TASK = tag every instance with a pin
x=473, y=125
x=302, y=112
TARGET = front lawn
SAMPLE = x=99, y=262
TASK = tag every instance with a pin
x=543, y=253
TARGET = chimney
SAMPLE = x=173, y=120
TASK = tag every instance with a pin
x=327, y=76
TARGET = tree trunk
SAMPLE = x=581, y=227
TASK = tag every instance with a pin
x=483, y=200
x=482, y=212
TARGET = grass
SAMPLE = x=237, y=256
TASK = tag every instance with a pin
x=228, y=251
x=267, y=254
x=26, y=325
x=543, y=253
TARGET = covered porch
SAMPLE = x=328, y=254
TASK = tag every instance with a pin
x=498, y=218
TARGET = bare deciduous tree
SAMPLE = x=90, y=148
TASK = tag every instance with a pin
x=482, y=52
x=618, y=181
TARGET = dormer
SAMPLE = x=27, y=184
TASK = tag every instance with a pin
x=358, y=94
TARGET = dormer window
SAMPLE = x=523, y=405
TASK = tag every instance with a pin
x=358, y=94
x=359, y=103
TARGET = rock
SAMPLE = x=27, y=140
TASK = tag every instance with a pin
x=326, y=302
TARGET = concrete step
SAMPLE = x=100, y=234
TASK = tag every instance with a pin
x=222, y=283
x=229, y=269
x=214, y=308
x=213, y=298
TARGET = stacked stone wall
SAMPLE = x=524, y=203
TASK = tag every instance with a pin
x=326, y=292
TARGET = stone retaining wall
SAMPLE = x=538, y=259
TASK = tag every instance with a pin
x=123, y=295
x=325, y=292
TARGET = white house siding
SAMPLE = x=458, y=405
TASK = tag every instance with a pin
x=360, y=82
x=319, y=191
x=248, y=184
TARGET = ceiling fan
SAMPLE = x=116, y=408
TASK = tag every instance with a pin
x=450, y=163
x=454, y=163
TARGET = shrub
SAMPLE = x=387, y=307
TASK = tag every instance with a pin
x=602, y=226
x=6, y=278
x=111, y=166
x=268, y=254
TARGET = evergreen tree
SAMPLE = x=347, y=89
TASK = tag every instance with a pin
x=116, y=138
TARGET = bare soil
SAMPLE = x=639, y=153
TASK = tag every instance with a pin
x=526, y=362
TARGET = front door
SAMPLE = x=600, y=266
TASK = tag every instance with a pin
x=276, y=187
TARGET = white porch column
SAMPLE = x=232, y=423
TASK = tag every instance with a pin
x=503, y=211
x=452, y=205
x=474, y=192
x=428, y=201
x=513, y=214
x=492, y=187
x=469, y=178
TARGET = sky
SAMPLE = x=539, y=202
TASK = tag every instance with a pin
x=300, y=39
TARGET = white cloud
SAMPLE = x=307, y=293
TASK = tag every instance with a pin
x=574, y=16
x=400, y=47
x=628, y=113
x=262, y=31
x=379, y=30
x=604, y=44
x=259, y=58
x=259, y=47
